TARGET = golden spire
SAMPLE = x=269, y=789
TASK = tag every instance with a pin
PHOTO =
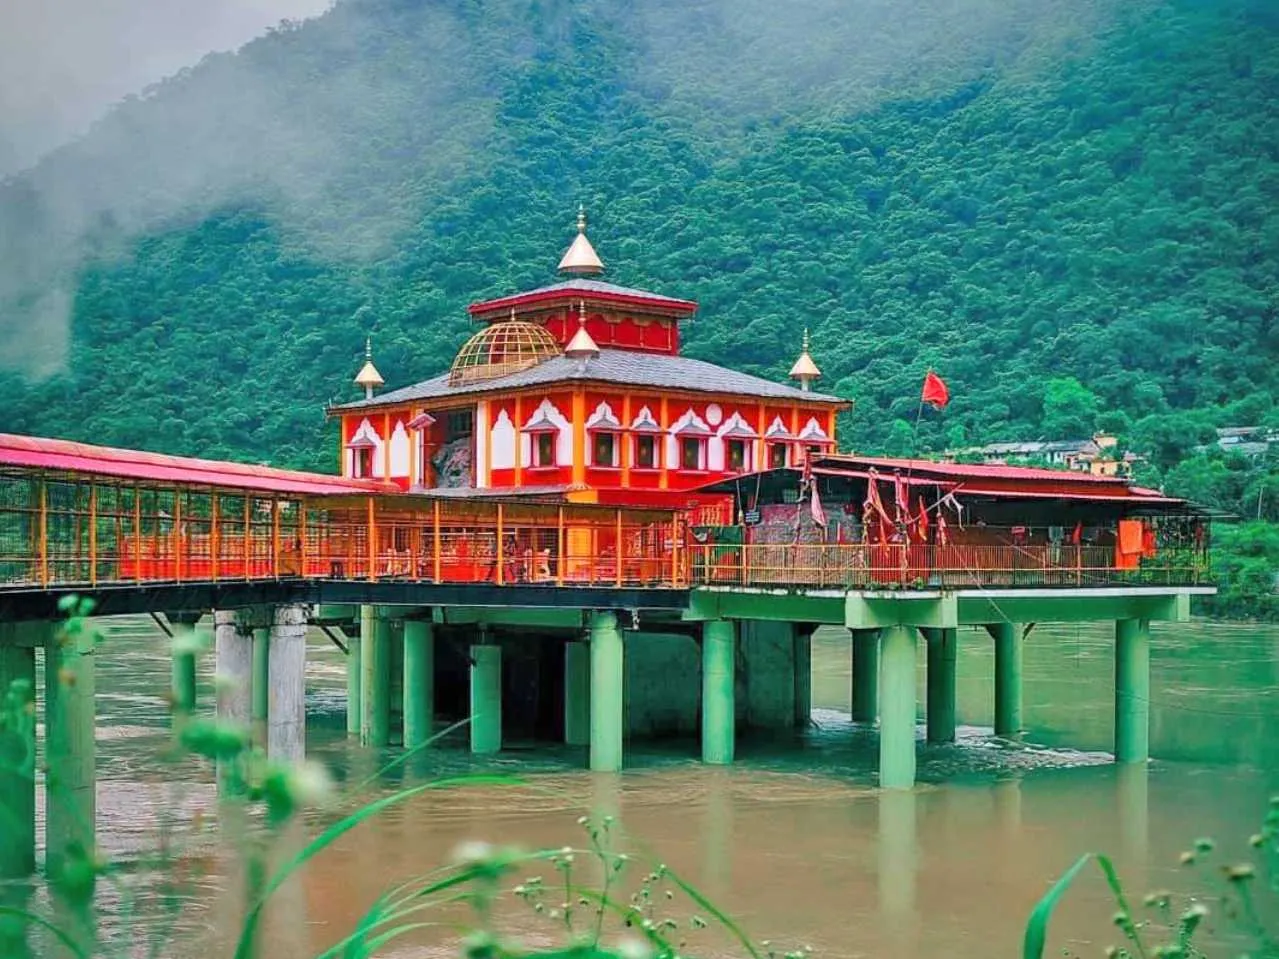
x=581, y=347
x=805, y=370
x=368, y=377
x=580, y=258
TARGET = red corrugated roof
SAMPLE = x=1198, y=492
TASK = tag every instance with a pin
x=973, y=470
x=36, y=452
x=1131, y=496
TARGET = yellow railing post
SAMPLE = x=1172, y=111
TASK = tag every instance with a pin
x=93, y=534
x=437, y=553
x=559, y=566
x=372, y=541
x=248, y=532
x=177, y=533
x=302, y=531
x=44, y=532
x=137, y=534
x=275, y=537
x=617, y=546
x=215, y=543
x=499, y=550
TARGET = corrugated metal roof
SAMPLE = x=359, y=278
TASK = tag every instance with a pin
x=33, y=452
x=974, y=470
x=611, y=366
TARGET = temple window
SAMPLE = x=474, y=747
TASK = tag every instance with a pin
x=604, y=449
x=646, y=452
x=363, y=465
x=692, y=453
x=544, y=449
x=737, y=456
x=776, y=456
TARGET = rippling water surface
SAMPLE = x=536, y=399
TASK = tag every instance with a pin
x=793, y=841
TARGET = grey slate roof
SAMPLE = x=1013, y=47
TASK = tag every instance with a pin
x=611, y=366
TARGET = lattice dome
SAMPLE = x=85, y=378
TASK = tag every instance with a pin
x=502, y=349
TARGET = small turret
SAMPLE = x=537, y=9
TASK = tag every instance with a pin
x=581, y=347
x=580, y=259
x=805, y=370
x=368, y=377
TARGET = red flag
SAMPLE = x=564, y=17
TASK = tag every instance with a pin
x=923, y=521
x=819, y=514
x=935, y=393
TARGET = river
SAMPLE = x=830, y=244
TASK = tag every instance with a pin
x=792, y=841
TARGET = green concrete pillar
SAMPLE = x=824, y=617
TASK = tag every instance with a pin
x=182, y=687
x=898, y=859
x=865, y=675
x=260, y=684
x=486, y=699
x=1132, y=690
x=1009, y=644
x=355, y=669
x=607, y=677
x=802, y=658
x=577, y=694
x=419, y=682
x=375, y=682
x=69, y=754
x=719, y=661
x=17, y=755
x=897, y=708
x=943, y=645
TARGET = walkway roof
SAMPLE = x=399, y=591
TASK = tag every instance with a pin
x=33, y=452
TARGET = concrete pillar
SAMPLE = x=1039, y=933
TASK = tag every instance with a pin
x=375, y=681
x=486, y=699
x=69, y=751
x=260, y=684
x=17, y=755
x=185, y=645
x=897, y=710
x=865, y=675
x=355, y=670
x=942, y=648
x=419, y=682
x=233, y=664
x=803, y=660
x=1008, y=683
x=898, y=858
x=608, y=672
x=1132, y=691
x=286, y=710
x=719, y=660
x=577, y=694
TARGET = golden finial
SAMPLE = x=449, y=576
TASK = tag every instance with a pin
x=805, y=370
x=368, y=377
x=580, y=258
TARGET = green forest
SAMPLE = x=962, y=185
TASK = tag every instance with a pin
x=1072, y=215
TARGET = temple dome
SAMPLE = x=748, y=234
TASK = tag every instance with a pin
x=502, y=349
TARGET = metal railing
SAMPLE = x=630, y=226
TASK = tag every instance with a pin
x=903, y=566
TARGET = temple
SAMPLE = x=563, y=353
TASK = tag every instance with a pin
x=578, y=392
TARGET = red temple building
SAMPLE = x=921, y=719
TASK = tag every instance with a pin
x=578, y=392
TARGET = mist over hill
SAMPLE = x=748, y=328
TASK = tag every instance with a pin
x=1070, y=210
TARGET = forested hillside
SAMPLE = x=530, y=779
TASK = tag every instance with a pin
x=1072, y=214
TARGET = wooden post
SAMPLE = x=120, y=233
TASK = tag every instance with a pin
x=437, y=555
x=498, y=551
x=372, y=524
x=248, y=525
x=93, y=534
x=302, y=568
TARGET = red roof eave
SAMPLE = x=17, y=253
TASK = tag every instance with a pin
x=656, y=304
